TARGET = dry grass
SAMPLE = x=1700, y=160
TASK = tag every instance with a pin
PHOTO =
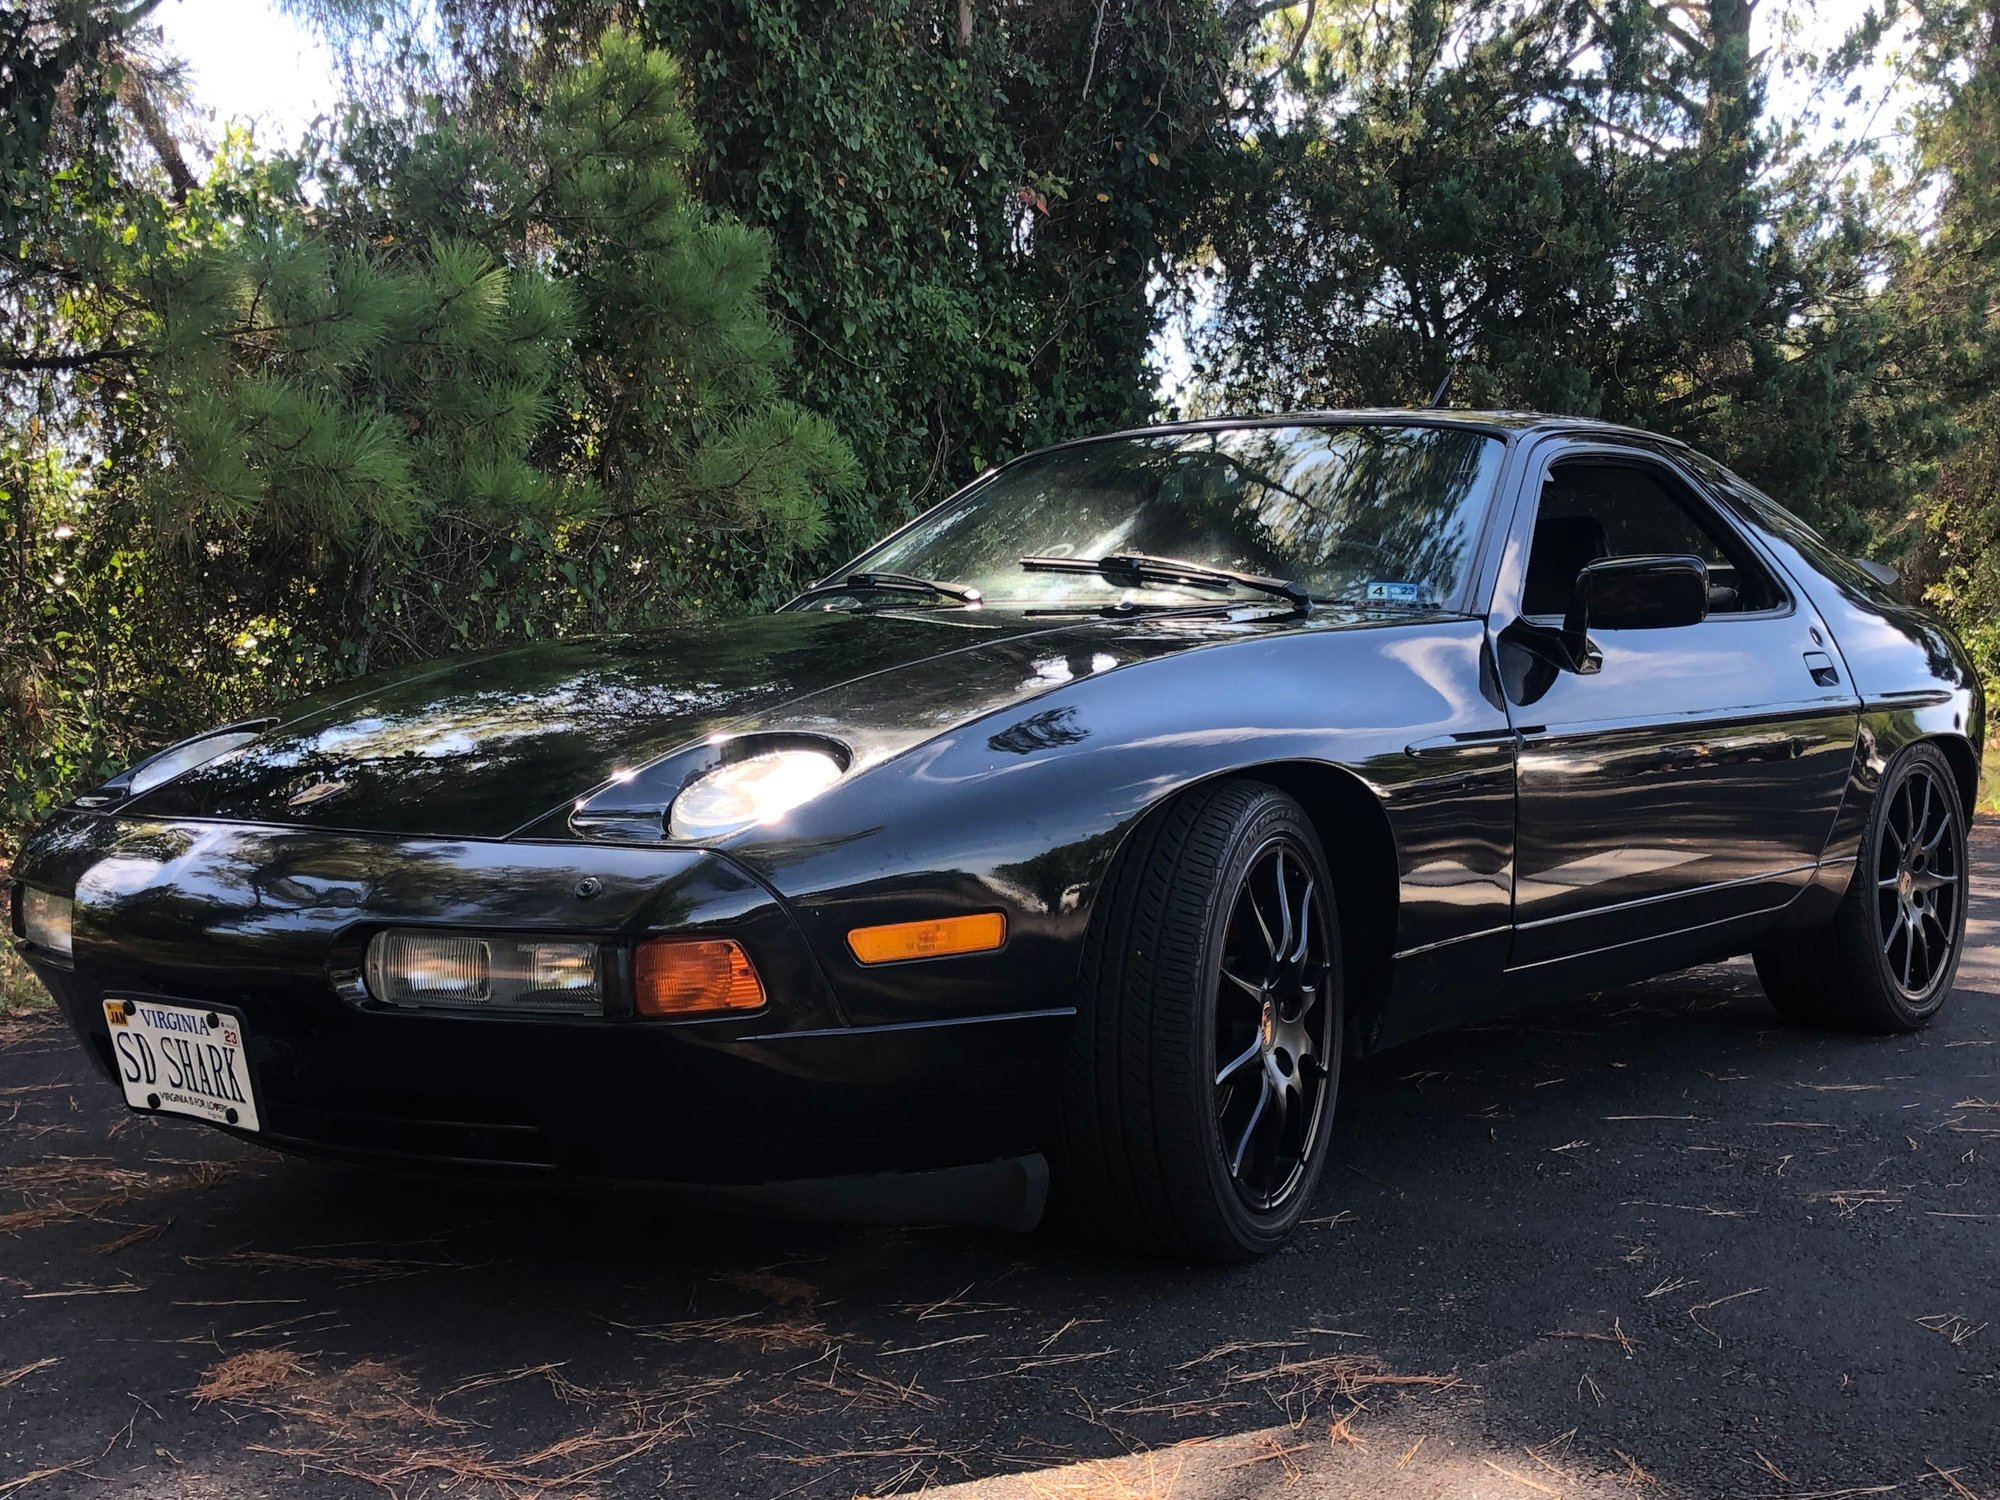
x=66, y=1188
x=769, y=1335
x=369, y=1421
x=20, y=991
x=22, y=1372
x=251, y=1373
x=1633, y=1474
x=1300, y=1384
x=1954, y=1326
x=37, y=1476
x=349, y=1270
x=1154, y=1474
x=787, y=1291
x=1617, y=1335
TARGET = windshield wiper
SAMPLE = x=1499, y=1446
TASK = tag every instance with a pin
x=1143, y=567
x=1127, y=609
x=892, y=583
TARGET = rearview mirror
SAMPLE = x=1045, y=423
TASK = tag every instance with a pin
x=1633, y=593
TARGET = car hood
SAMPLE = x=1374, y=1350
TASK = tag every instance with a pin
x=485, y=746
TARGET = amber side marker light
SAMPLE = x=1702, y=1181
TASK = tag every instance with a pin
x=939, y=938
x=674, y=977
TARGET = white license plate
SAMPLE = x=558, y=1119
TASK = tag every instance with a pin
x=182, y=1060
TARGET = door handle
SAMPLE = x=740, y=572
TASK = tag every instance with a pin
x=1454, y=744
x=1824, y=673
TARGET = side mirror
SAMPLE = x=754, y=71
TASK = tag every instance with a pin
x=1882, y=573
x=1633, y=593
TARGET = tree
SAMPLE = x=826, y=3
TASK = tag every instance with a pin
x=969, y=203
x=1945, y=300
x=462, y=392
x=1574, y=206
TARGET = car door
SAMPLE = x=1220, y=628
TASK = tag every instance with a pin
x=1674, y=777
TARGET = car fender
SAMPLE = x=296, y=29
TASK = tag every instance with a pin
x=1024, y=810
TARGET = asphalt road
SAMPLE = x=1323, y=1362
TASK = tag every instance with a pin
x=1649, y=1244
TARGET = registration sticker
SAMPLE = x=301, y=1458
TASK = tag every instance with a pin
x=1394, y=593
x=182, y=1060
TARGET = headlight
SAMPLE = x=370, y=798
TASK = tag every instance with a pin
x=757, y=789
x=158, y=770
x=45, y=920
x=459, y=971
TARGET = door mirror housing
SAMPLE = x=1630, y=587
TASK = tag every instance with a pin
x=1633, y=593
x=1882, y=573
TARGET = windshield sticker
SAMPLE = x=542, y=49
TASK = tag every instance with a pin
x=1394, y=593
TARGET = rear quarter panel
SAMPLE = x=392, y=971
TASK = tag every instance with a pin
x=1914, y=678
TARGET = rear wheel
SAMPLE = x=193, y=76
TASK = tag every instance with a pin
x=1201, y=1080
x=1885, y=960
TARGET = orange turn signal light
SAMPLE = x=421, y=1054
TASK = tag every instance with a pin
x=674, y=977
x=938, y=938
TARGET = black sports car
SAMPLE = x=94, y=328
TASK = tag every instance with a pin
x=1064, y=843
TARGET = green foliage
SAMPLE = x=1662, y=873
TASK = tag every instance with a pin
x=465, y=391
x=963, y=227
x=1572, y=208
x=1945, y=300
x=967, y=206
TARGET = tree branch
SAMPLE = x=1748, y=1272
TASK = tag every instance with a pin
x=54, y=362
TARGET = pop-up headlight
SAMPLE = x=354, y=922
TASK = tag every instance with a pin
x=158, y=770
x=759, y=788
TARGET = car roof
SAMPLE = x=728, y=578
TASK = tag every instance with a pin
x=1503, y=424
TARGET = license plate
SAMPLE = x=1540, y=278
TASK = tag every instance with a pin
x=182, y=1060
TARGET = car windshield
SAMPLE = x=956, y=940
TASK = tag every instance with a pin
x=1376, y=513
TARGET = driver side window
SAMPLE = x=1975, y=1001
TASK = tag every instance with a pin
x=1592, y=508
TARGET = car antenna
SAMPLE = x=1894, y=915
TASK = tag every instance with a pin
x=1437, y=396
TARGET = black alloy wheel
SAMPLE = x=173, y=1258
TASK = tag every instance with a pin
x=1885, y=959
x=1919, y=882
x=1199, y=1093
x=1273, y=1025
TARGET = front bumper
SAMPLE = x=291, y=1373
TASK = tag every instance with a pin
x=263, y=921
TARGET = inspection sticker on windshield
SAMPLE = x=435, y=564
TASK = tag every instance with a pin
x=182, y=1060
x=1394, y=593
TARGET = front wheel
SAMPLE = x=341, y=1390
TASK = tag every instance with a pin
x=1202, y=1076
x=1884, y=961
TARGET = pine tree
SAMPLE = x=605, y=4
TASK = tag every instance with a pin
x=475, y=378
x=429, y=387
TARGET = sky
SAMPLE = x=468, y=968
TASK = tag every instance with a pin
x=250, y=61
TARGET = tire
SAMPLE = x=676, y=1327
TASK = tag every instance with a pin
x=1885, y=960
x=1155, y=1152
